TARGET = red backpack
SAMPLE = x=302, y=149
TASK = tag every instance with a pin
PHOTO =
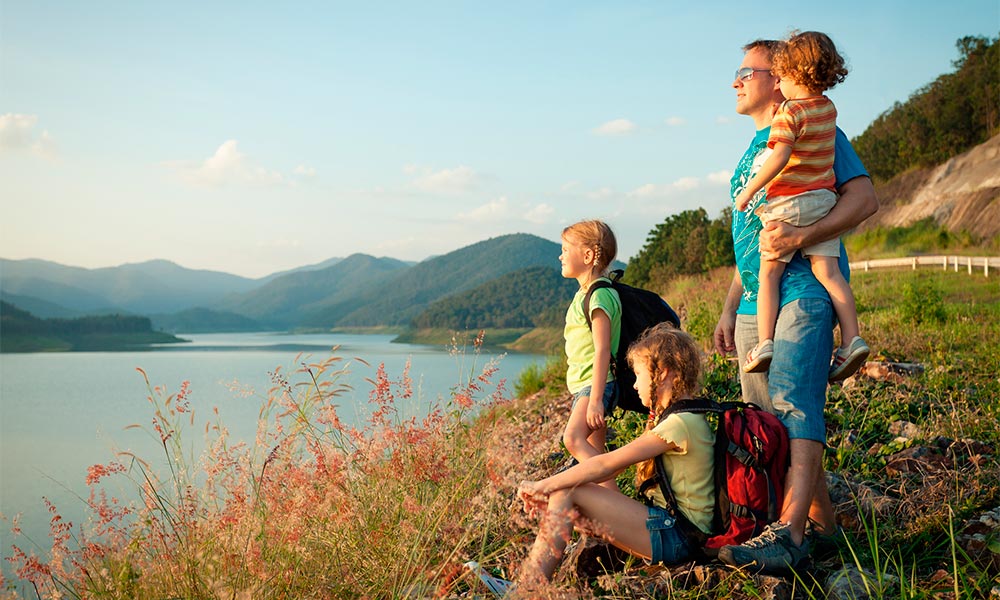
x=751, y=461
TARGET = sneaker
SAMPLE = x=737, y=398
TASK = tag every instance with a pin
x=848, y=360
x=772, y=550
x=759, y=358
x=826, y=545
x=499, y=587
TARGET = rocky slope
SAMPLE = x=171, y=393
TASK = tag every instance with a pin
x=961, y=194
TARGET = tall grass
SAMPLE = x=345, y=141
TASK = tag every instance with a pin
x=313, y=508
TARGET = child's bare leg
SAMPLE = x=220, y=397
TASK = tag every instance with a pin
x=578, y=434
x=767, y=297
x=553, y=533
x=598, y=440
x=827, y=271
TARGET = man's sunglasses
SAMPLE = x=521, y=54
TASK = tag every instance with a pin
x=746, y=73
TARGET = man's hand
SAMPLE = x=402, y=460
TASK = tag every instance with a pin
x=777, y=239
x=724, y=334
x=725, y=331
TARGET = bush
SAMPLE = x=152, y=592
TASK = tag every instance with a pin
x=922, y=303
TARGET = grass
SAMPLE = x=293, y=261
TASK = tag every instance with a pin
x=393, y=507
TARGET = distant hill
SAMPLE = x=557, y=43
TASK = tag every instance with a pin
x=399, y=299
x=522, y=298
x=23, y=332
x=203, y=320
x=288, y=300
x=41, y=308
x=156, y=286
x=315, y=267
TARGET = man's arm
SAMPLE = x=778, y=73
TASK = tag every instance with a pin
x=725, y=331
x=857, y=202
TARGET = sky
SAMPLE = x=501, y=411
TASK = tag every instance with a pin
x=255, y=137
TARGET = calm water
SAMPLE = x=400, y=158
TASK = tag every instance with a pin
x=62, y=412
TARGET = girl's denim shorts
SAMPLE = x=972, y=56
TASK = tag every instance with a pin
x=669, y=544
x=610, y=396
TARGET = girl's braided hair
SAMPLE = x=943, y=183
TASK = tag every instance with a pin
x=597, y=236
x=665, y=348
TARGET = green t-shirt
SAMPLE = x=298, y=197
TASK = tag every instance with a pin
x=580, y=340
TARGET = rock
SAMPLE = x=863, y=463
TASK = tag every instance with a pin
x=904, y=429
x=916, y=459
x=891, y=371
x=851, y=583
x=979, y=537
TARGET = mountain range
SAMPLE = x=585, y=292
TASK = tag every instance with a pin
x=356, y=291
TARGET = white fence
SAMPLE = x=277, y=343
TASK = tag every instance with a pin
x=972, y=264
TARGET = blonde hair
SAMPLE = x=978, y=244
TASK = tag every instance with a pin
x=810, y=59
x=597, y=236
x=665, y=348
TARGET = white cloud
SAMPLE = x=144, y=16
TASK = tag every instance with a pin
x=18, y=134
x=304, y=171
x=723, y=120
x=446, y=181
x=502, y=209
x=676, y=121
x=540, y=214
x=616, y=127
x=491, y=211
x=679, y=187
x=719, y=177
x=228, y=166
x=602, y=193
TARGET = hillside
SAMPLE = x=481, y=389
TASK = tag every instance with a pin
x=397, y=300
x=523, y=298
x=963, y=193
x=288, y=300
x=156, y=286
x=24, y=332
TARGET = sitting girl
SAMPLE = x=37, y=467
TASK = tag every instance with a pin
x=667, y=364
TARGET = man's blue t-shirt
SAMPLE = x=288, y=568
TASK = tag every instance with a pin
x=798, y=280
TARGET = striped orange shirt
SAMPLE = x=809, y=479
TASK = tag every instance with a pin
x=809, y=125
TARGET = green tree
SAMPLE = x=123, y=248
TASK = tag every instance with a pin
x=683, y=244
x=946, y=117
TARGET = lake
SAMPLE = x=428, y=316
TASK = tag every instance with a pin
x=63, y=412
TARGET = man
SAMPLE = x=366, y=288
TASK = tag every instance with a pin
x=795, y=387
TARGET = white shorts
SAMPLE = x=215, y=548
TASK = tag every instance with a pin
x=801, y=210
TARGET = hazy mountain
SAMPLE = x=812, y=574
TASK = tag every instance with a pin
x=314, y=267
x=409, y=292
x=40, y=308
x=285, y=300
x=201, y=320
x=156, y=286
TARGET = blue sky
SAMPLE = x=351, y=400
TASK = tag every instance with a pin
x=254, y=137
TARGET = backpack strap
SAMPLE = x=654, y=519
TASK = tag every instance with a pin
x=695, y=537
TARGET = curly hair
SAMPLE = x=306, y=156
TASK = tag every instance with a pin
x=665, y=348
x=810, y=59
x=597, y=236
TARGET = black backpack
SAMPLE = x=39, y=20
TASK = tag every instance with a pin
x=641, y=309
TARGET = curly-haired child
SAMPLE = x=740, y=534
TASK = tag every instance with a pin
x=800, y=191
